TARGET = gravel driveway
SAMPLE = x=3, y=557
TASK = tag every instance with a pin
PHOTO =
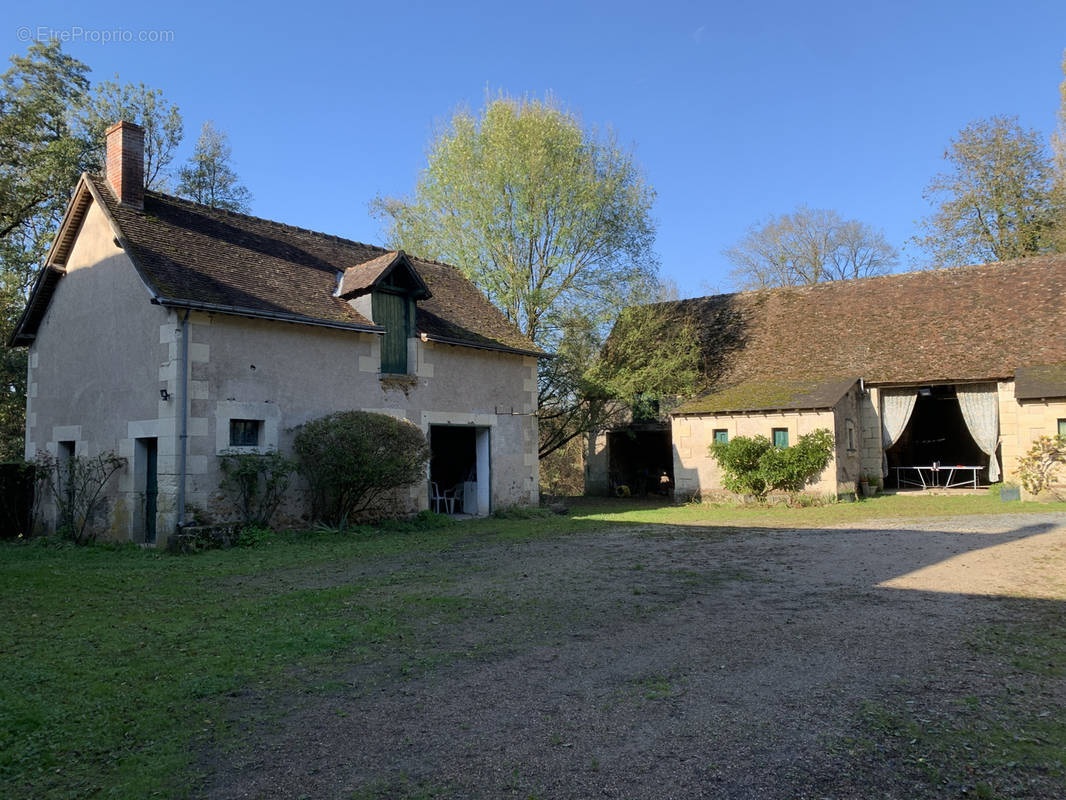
x=660, y=662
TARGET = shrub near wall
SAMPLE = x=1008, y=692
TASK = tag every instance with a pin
x=1038, y=468
x=351, y=458
x=753, y=466
x=255, y=483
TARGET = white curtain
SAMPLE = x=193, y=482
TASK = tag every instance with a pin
x=896, y=408
x=980, y=408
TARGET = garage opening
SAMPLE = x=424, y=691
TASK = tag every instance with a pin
x=936, y=448
x=641, y=459
x=459, y=469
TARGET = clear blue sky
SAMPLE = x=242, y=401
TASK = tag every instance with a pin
x=734, y=110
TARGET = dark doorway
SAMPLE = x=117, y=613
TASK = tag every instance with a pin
x=935, y=433
x=459, y=468
x=147, y=475
x=641, y=457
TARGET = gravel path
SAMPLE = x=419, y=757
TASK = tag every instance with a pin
x=657, y=662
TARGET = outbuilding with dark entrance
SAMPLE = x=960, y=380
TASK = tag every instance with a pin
x=939, y=377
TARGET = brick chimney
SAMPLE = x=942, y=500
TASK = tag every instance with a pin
x=125, y=163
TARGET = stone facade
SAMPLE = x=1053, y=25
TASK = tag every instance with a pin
x=94, y=374
x=856, y=421
x=103, y=352
x=284, y=375
x=1022, y=422
x=696, y=473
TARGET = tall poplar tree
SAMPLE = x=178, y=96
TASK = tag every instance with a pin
x=550, y=220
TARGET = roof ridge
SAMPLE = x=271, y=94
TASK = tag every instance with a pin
x=286, y=226
x=822, y=285
x=264, y=220
x=434, y=262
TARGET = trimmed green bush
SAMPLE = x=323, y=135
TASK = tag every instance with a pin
x=351, y=458
x=752, y=465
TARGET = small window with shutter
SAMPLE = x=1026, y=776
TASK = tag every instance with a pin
x=392, y=312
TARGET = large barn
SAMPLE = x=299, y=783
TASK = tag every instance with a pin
x=940, y=377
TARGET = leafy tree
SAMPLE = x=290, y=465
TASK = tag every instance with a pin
x=790, y=469
x=1058, y=148
x=351, y=458
x=809, y=245
x=41, y=157
x=550, y=220
x=208, y=177
x=163, y=127
x=739, y=459
x=752, y=465
x=651, y=356
x=997, y=200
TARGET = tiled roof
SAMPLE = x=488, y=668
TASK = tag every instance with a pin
x=771, y=395
x=951, y=325
x=361, y=277
x=1040, y=382
x=190, y=253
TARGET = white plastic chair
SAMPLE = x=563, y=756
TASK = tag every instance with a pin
x=447, y=498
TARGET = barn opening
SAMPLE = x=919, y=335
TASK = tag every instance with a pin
x=459, y=469
x=641, y=458
x=936, y=434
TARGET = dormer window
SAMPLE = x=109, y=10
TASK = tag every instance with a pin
x=395, y=313
x=391, y=285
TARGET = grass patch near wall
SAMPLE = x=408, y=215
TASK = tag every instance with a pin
x=906, y=505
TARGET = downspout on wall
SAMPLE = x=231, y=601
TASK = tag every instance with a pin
x=184, y=443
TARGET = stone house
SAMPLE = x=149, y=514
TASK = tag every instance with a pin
x=169, y=332
x=960, y=367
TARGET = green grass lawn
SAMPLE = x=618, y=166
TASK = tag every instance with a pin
x=116, y=662
x=888, y=506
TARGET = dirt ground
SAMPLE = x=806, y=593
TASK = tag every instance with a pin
x=661, y=662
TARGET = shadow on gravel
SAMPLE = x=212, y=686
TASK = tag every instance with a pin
x=654, y=661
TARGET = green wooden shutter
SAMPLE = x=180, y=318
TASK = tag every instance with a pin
x=390, y=311
x=780, y=437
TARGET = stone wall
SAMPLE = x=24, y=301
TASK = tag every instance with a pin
x=284, y=375
x=1023, y=422
x=696, y=473
x=96, y=366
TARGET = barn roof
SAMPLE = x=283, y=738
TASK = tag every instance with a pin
x=954, y=325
